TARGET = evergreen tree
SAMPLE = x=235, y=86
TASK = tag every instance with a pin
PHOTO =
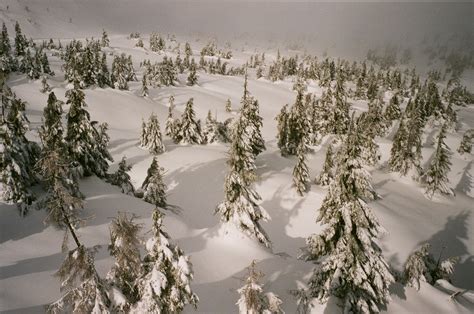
x=211, y=132
x=192, y=77
x=422, y=266
x=121, y=178
x=104, y=42
x=18, y=156
x=228, y=105
x=165, y=284
x=466, y=142
x=154, y=189
x=125, y=248
x=81, y=135
x=84, y=290
x=144, y=134
x=190, y=130
x=252, y=298
x=240, y=201
x=300, y=172
x=5, y=47
x=101, y=153
x=144, y=90
x=20, y=41
x=352, y=266
x=436, y=174
x=153, y=138
x=282, y=125
x=326, y=176
x=393, y=112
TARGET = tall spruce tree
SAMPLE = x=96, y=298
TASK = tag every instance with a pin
x=240, y=200
x=301, y=177
x=465, y=147
x=351, y=266
x=436, y=174
x=125, y=248
x=154, y=189
x=81, y=136
x=18, y=156
x=192, y=77
x=190, y=130
x=83, y=290
x=327, y=174
x=152, y=136
x=165, y=285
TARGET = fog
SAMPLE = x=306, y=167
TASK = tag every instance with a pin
x=343, y=28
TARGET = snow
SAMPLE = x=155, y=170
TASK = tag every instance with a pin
x=30, y=252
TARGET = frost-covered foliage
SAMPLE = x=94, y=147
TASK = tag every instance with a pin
x=252, y=298
x=121, y=178
x=157, y=43
x=215, y=131
x=393, y=111
x=165, y=284
x=189, y=129
x=406, y=148
x=326, y=176
x=86, y=64
x=436, y=175
x=351, y=265
x=293, y=124
x=45, y=88
x=422, y=266
x=122, y=72
x=301, y=177
x=101, y=153
x=154, y=189
x=125, y=248
x=240, y=200
x=192, y=77
x=83, y=290
x=250, y=116
x=87, y=146
x=465, y=147
x=162, y=73
x=151, y=136
x=17, y=154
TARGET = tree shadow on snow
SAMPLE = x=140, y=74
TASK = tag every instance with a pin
x=451, y=241
x=466, y=183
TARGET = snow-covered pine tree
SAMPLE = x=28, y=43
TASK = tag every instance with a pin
x=144, y=91
x=154, y=189
x=100, y=152
x=20, y=41
x=436, y=175
x=165, y=284
x=466, y=143
x=192, y=77
x=228, y=105
x=211, y=133
x=282, y=125
x=45, y=88
x=340, y=113
x=252, y=298
x=301, y=177
x=352, y=267
x=327, y=175
x=80, y=133
x=18, y=156
x=125, y=248
x=84, y=290
x=422, y=266
x=393, y=112
x=104, y=42
x=153, y=136
x=240, y=200
x=190, y=130
x=121, y=178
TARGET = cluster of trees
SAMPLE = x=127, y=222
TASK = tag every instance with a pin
x=158, y=282
x=240, y=197
x=25, y=57
x=210, y=49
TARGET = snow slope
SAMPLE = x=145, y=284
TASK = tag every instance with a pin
x=30, y=252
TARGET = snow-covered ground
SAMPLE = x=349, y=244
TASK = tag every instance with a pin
x=30, y=252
